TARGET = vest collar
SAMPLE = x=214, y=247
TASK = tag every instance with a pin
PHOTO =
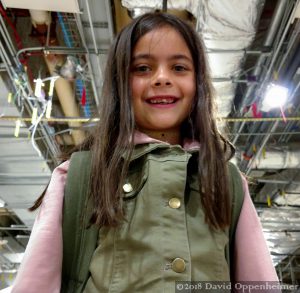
x=145, y=144
x=142, y=138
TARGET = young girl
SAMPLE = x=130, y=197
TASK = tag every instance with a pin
x=159, y=177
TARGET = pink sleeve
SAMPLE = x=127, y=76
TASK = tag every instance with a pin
x=40, y=270
x=252, y=260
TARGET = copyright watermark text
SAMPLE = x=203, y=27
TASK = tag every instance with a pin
x=243, y=287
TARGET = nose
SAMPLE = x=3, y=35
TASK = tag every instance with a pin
x=161, y=77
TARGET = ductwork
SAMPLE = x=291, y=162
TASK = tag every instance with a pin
x=228, y=27
x=64, y=88
x=281, y=226
x=278, y=160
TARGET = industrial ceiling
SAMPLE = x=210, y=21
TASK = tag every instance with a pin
x=250, y=44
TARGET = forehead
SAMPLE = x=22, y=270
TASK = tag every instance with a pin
x=162, y=41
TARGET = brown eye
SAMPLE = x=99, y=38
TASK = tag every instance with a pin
x=142, y=68
x=180, y=68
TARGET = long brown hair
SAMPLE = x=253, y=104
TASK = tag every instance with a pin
x=113, y=137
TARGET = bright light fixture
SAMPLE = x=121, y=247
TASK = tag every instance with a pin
x=275, y=97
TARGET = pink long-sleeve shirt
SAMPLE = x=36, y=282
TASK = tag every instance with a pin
x=41, y=267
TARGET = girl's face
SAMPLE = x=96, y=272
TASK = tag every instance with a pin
x=162, y=82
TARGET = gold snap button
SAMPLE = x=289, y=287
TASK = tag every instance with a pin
x=127, y=187
x=174, y=203
x=178, y=265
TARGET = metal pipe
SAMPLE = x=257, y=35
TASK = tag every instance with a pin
x=245, y=51
x=60, y=50
x=109, y=19
x=7, y=59
x=233, y=80
x=276, y=20
x=91, y=25
x=29, y=49
x=9, y=69
x=256, y=140
x=277, y=181
x=264, y=133
x=15, y=229
x=293, y=40
x=94, y=40
x=279, y=11
x=262, y=84
x=96, y=24
x=24, y=175
x=33, y=183
x=6, y=37
x=278, y=48
x=80, y=29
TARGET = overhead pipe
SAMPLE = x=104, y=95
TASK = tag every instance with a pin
x=5, y=35
x=263, y=127
x=109, y=19
x=278, y=14
x=279, y=46
x=275, y=181
x=246, y=165
x=64, y=90
x=276, y=20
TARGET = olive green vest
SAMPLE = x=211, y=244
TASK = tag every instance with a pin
x=164, y=238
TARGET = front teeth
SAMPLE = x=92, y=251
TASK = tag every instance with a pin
x=162, y=101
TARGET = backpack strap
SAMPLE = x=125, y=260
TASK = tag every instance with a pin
x=237, y=199
x=79, y=242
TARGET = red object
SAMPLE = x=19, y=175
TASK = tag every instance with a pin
x=247, y=158
x=255, y=111
x=83, y=97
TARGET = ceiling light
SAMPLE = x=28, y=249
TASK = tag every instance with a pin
x=275, y=97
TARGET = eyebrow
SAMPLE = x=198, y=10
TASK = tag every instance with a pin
x=149, y=56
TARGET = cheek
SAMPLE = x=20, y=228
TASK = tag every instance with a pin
x=136, y=87
x=139, y=86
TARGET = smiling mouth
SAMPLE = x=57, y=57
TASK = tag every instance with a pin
x=162, y=100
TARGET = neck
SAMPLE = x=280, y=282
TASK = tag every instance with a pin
x=169, y=136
